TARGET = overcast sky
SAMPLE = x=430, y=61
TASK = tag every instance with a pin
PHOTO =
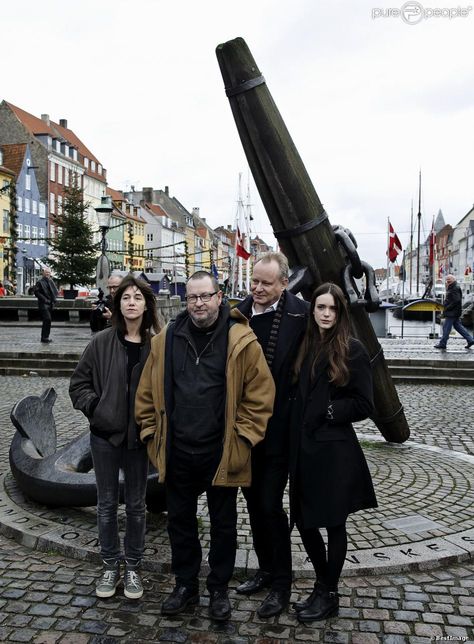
x=367, y=100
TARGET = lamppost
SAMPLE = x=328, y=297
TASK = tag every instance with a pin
x=104, y=211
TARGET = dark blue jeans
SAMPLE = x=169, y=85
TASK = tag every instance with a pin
x=108, y=460
x=448, y=324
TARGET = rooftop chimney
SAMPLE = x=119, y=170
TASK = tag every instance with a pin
x=167, y=191
x=63, y=123
x=148, y=195
x=196, y=212
x=45, y=118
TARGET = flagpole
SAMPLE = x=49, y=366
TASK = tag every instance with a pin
x=411, y=249
x=388, y=256
x=418, y=246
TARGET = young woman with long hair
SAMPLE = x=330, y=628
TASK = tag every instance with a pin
x=103, y=387
x=329, y=477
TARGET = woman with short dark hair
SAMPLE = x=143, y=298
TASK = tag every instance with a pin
x=329, y=477
x=103, y=387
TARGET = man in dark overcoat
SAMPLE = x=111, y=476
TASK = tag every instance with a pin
x=452, y=313
x=278, y=319
x=46, y=292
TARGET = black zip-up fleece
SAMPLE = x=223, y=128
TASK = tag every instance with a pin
x=197, y=420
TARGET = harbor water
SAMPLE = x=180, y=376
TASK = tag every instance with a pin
x=386, y=326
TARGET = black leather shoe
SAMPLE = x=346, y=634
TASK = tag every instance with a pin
x=179, y=600
x=325, y=604
x=274, y=603
x=306, y=603
x=256, y=583
x=219, y=605
x=439, y=346
x=46, y=341
x=469, y=344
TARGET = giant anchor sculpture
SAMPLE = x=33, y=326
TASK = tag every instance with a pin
x=63, y=477
x=299, y=220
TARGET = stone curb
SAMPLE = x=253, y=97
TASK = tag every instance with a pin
x=29, y=528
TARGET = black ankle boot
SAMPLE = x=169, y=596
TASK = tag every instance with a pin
x=306, y=603
x=324, y=605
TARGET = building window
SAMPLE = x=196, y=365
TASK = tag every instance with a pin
x=6, y=221
x=28, y=181
x=86, y=162
x=52, y=173
x=51, y=203
x=5, y=183
x=20, y=230
x=27, y=234
x=19, y=203
x=60, y=173
x=34, y=235
x=27, y=204
x=34, y=206
x=66, y=177
x=41, y=236
x=60, y=205
x=92, y=166
x=42, y=211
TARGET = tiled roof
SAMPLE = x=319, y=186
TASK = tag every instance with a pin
x=117, y=195
x=155, y=209
x=38, y=126
x=13, y=156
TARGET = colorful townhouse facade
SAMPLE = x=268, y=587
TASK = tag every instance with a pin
x=31, y=217
x=7, y=183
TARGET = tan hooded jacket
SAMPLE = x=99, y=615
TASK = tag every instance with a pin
x=250, y=393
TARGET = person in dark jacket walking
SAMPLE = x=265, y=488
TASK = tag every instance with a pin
x=278, y=319
x=46, y=292
x=103, y=387
x=329, y=477
x=452, y=313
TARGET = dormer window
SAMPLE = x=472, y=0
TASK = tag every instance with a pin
x=99, y=169
x=86, y=162
x=92, y=166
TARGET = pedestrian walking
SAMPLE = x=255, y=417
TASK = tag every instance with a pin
x=329, y=477
x=103, y=387
x=47, y=293
x=452, y=314
x=278, y=319
x=203, y=402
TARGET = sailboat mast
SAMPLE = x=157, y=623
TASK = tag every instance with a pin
x=411, y=248
x=248, y=219
x=418, y=246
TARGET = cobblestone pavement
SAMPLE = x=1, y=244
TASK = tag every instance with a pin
x=419, y=594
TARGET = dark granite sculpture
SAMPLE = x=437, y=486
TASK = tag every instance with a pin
x=63, y=477
x=299, y=220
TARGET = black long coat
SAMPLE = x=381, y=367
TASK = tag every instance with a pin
x=329, y=477
x=290, y=334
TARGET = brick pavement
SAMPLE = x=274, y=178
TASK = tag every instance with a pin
x=49, y=597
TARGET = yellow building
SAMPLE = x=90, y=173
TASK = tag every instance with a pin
x=7, y=177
